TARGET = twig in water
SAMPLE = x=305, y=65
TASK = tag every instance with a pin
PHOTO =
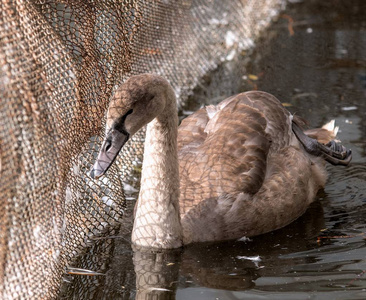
x=290, y=24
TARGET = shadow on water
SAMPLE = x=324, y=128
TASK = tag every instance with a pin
x=318, y=72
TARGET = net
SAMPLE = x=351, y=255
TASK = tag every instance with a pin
x=60, y=63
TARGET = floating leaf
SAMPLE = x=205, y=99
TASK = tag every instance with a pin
x=253, y=77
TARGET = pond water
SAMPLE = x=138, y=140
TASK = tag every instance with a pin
x=314, y=60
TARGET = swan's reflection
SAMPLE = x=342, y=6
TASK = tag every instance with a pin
x=138, y=273
x=156, y=272
x=230, y=266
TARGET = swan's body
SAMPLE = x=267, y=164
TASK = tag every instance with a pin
x=242, y=171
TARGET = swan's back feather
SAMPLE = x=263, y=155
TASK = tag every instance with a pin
x=231, y=140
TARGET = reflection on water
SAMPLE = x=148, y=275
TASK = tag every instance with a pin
x=320, y=72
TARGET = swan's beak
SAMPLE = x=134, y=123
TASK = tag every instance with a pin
x=111, y=146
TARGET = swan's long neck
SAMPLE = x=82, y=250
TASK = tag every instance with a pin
x=157, y=220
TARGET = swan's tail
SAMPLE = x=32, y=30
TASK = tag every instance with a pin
x=324, y=135
x=321, y=142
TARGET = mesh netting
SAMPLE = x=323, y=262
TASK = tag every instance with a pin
x=60, y=61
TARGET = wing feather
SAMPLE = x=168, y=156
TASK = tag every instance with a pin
x=226, y=152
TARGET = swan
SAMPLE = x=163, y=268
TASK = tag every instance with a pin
x=240, y=168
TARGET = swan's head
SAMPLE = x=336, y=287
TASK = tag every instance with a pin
x=137, y=102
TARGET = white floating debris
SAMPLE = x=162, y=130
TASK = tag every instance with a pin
x=309, y=30
x=348, y=108
x=157, y=289
x=251, y=258
x=244, y=239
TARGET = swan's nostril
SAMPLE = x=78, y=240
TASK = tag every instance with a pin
x=108, y=145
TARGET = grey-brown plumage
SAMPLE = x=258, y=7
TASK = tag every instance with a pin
x=241, y=169
x=246, y=164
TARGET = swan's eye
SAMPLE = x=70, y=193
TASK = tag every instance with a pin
x=119, y=124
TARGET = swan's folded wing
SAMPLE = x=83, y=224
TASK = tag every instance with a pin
x=230, y=159
x=192, y=129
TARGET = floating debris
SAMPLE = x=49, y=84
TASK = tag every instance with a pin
x=78, y=271
x=251, y=258
x=348, y=108
x=157, y=289
x=253, y=77
x=319, y=238
x=305, y=95
x=244, y=239
x=290, y=24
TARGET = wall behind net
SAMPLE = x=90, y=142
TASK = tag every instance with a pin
x=60, y=62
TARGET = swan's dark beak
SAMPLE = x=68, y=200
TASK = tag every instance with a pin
x=111, y=146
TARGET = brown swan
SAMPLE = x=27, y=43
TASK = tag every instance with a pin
x=240, y=168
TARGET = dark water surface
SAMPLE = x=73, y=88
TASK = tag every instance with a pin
x=319, y=72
